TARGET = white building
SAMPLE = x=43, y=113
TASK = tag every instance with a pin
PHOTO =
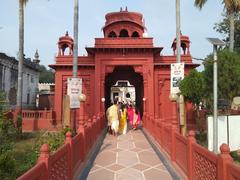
x=9, y=78
x=124, y=91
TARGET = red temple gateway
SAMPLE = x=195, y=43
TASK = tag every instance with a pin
x=124, y=53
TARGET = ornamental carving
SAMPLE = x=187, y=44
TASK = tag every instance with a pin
x=109, y=69
x=203, y=168
x=60, y=168
x=138, y=69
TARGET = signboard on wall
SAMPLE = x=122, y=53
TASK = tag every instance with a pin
x=177, y=74
x=74, y=90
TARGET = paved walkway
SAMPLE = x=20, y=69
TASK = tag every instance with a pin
x=127, y=157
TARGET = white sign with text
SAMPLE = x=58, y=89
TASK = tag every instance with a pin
x=74, y=90
x=177, y=74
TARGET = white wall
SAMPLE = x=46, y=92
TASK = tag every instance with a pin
x=234, y=131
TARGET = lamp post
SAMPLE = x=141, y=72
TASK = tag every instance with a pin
x=82, y=98
x=103, y=100
x=215, y=42
x=144, y=104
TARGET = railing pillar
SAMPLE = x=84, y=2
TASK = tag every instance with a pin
x=94, y=126
x=89, y=134
x=223, y=159
x=68, y=140
x=99, y=123
x=45, y=113
x=173, y=140
x=44, y=157
x=81, y=130
x=190, y=140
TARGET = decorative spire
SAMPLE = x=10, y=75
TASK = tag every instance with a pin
x=126, y=9
x=36, y=57
x=120, y=9
x=66, y=33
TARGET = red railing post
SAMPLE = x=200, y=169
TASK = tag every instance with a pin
x=223, y=159
x=190, y=140
x=173, y=139
x=89, y=125
x=81, y=130
x=68, y=140
x=94, y=128
x=45, y=113
x=99, y=123
x=44, y=157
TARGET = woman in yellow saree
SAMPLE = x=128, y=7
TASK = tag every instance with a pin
x=123, y=120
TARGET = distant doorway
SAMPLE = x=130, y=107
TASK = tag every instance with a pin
x=120, y=84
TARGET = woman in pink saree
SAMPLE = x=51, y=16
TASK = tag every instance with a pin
x=130, y=114
x=136, y=118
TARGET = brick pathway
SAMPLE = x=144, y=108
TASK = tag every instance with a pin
x=127, y=157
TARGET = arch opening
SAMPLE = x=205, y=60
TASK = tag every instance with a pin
x=112, y=34
x=123, y=33
x=126, y=85
x=135, y=34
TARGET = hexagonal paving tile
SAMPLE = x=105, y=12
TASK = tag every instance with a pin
x=115, y=167
x=142, y=144
x=149, y=158
x=101, y=174
x=127, y=158
x=125, y=145
x=105, y=158
x=140, y=167
x=108, y=146
x=153, y=174
x=129, y=174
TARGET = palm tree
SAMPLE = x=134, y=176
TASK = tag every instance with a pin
x=22, y=3
x=232, y=6
x=75, y=36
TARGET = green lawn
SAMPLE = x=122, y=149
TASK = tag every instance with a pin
x=24, y=152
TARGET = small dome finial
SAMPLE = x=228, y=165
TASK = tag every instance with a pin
x=120, y=9
x=66, y=33
x=36, y=57
x=126, y=9
x=36, y=54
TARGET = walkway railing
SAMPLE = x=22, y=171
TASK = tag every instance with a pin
x=67, y=160
x=35, y=120
x=195, y=161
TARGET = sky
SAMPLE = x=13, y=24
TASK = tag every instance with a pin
x=47, y=20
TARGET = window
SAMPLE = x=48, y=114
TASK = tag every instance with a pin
x=112, y=34
x=115, y=95
x=135, y=34
x=123, y=33
x=32, y=79
x=28, y=98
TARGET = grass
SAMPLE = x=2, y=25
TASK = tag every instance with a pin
x=24, y=152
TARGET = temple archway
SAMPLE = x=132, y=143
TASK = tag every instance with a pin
x=124, y=74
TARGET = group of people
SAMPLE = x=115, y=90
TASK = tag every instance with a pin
x=118, y=116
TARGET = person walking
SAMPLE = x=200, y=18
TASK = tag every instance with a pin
x=130, y=114
x=123, y=120
x=113, y=115
x=136, y=118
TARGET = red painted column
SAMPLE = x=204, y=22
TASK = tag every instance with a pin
x=58, y=98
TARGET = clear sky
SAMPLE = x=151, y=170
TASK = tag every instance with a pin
x=46, y=21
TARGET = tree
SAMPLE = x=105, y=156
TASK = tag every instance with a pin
x=46, y=76
x=22, y=3
x=231, y=6
x=192, y=88
x=228, y=75
x=222, y=27
x=75, y=34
